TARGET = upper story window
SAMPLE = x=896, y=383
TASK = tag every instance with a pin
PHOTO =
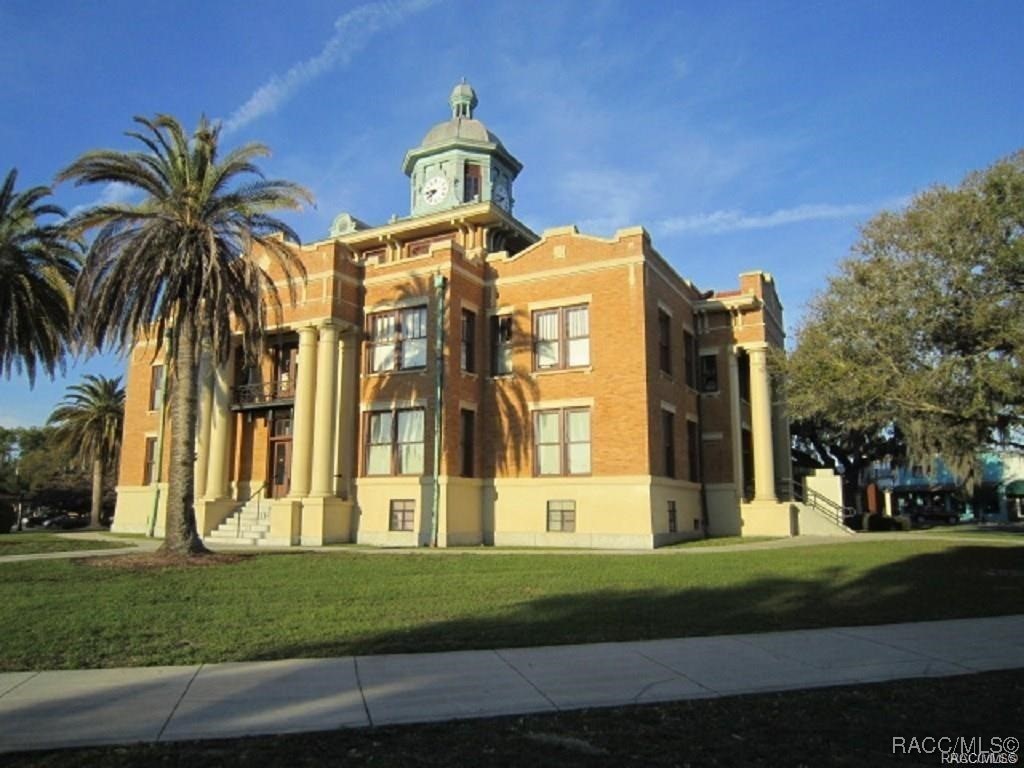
x=422, y=247
x=501, y=344
x=668, y=439
x=398, y=339
x=149, y=462
x=708, y=373
x=561, y=337
x=395, y=442
x=156, y=384
x=665, y=341
x=689, y=360
x=471, y=176
x=562, y=441
x=467, y=351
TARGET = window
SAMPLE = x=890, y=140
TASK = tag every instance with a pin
x=664, y=341
x=471, y=174
x=668, y=438
x=398, y=340
x=689, y=363
x=156, y=384
x=562, y=442
x=395, y=443
x=467, y=429
x=562, y=338
x=673, y=522
x=422, y=247
x=468, y=351
x=149, y=467
x=402, y=513
x=693, y=451
x=562, y=516
x=708, y=373
x=501, y=344
x=286, y=370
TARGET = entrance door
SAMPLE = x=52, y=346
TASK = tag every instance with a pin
x=280, y=468
x=281, y=454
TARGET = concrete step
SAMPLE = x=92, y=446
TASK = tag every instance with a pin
x=250, y=541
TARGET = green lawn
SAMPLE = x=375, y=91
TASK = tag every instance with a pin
x=853, y=726
x=719, y=541
x=69, y=614
x=1003, y=531
x=38, y=543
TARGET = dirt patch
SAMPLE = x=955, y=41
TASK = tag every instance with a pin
x=155, y=561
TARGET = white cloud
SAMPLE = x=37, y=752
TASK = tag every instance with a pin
x=112, y=192
x=352, y=32
x=718, y=222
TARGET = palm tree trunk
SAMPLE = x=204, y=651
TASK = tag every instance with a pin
x=180, y=535
x=97, y=494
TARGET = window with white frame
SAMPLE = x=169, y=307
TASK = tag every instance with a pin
x=562, y=441
x=395, y=442
x=398, y=339
x=501, y=344
x=562, y=337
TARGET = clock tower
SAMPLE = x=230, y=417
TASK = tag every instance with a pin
x=460, y=162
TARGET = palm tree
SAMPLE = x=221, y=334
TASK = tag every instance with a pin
x=88, y=422
x=38, y=265
x=185, y=258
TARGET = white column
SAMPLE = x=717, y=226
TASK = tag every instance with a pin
x=735, y=421
x=302, y=424
x=348, y=402
x=325, y=411
x=220, y=431
x=203, y=424
x=761, y=424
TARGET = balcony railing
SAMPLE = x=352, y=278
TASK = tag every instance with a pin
x=261, y=395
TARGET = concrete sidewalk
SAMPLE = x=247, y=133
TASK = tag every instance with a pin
x=41, y=710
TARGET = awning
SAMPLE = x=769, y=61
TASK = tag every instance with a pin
x=1015, y=488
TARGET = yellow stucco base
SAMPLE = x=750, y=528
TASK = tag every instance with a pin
x=374, y=496
x=723, y=510
x=628, y=512
x=768, y=518
x=285, y=523
x=325, y=521
x=135, y=508
x=212, y=512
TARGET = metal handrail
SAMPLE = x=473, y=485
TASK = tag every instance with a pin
x=818, y=501
x=259, y=513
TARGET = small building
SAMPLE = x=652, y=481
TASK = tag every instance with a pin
x=453, y=377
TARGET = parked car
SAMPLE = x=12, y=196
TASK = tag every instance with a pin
x=37, y=517
x=935, y=504
x=66, y=521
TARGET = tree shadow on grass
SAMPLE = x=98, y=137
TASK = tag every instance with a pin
x=961, y=582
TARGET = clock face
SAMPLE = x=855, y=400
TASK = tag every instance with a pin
x=435, y=190
x=500, y=194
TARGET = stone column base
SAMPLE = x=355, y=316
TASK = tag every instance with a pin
x=212, y=512
x=768, y=518
x=326, y=520
x=285, y=523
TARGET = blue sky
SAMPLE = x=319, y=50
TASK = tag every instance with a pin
x=742, y=135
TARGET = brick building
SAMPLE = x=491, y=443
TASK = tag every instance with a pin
x=454, y=377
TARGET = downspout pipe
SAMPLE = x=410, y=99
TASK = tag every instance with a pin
x=440, y=284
